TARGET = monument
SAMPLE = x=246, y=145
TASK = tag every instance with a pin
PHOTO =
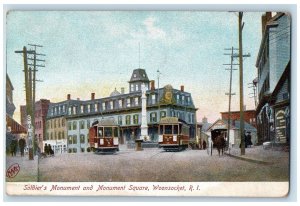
x=144, y=125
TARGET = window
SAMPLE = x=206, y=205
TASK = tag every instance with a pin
x=182, y=99
x=69, y=126
x=127, y=119
x=88, y=108
x=120, y=120
x=136, y=87
x=82, y=149
x=111, y=103
x=82, y=124
x=161, y=129
x=163, y=114
x=100, y=131
x=81, y=109
x=47, y=125
x=103, y=106
x=64, y=108
x=74, y=125
x=128, y=102
x=120, y=103
x=70, y=139
x=63, y=135
x=192, y=118
x=62, y=122
x=74, y=150
x=136, y=101
x=70, y=111
x=59, y=135
x=108, y=132
x=51, y=136
x=74, y=139
x=116, y=132
x=177, y=98
x=131, y=87
x=153, y=117
x=88, y=124
x=168, y=129
x=96, y=107
x=135, y=119
x=178, y=114
x=153, y=99
x=175, y=129
x=82, y=138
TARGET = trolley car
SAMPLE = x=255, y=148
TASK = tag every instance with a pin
x=104, y=136
x=173, y=134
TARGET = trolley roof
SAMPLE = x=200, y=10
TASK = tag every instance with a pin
x=105, y=122
x=171, y=120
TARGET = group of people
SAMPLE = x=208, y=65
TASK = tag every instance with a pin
x=14, y=145
x=48, y=150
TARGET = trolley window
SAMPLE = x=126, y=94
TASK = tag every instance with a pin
x=175, y=129
x=116, y=132
x=100, y=131
x=168, y=129
x=161, y=129
x=107, y=131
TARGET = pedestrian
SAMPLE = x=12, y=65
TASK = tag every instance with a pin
x=13, y=146
x=46, y=151
x=50, y=150
x=22, y=144
x=204, y=144
x=249, y=142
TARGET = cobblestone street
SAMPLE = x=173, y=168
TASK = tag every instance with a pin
x=155, y=165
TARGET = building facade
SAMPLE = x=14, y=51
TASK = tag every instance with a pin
x=125, y=108
x=273, y=64
x=249, y=116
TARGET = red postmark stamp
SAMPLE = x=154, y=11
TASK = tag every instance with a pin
x=13, y=170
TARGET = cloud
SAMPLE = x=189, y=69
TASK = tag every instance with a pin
x=153, y=31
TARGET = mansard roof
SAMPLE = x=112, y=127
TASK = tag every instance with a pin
x=139, y=75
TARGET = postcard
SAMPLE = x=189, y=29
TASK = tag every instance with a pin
x=148, y=103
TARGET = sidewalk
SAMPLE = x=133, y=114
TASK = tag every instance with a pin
x=260, y=155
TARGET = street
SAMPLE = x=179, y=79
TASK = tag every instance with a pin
x=155, y=165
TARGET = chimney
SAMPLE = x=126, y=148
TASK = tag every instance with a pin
x=68, y=96
x=152, y=82
x=182, y=88
x=122, y=90
x=264, y=20
x=92, y=96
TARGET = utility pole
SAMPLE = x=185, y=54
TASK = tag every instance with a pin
x=241, y=25
x=30, y=80
x=34, y=80
x=254, y=94
x=230, y=93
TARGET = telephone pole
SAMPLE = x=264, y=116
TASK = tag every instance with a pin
x=254, y=95
x=241, y=25
x=30, y=79
x=230, y=93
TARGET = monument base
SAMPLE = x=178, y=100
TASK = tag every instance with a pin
x=146, y=138
x=138, y=145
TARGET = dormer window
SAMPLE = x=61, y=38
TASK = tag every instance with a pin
x=134, y=75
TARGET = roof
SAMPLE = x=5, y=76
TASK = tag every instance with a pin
x=115, y=93
x=139, y=75
x=234, y=124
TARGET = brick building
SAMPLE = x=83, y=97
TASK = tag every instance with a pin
x=249, y=116
x=41, y=110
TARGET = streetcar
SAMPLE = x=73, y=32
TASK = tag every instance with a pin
x=104, y=136
x=174, y=134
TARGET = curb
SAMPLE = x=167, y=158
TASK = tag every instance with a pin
x=250, y=160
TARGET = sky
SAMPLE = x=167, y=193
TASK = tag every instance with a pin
x=96, y=51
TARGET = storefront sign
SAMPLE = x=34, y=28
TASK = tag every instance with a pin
x=280, y=125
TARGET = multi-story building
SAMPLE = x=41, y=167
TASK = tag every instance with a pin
x=273, y=64
x=13, y=129
x=125, y=108
x=249, y=116
x=41, y=110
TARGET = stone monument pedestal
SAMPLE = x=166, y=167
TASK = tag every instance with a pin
x=138, y=145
